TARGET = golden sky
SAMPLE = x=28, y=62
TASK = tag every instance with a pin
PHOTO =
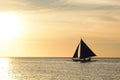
x=53, y=28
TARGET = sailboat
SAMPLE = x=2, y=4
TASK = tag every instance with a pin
x=85, y=52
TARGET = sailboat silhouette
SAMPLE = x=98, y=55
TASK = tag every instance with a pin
x=85, y=53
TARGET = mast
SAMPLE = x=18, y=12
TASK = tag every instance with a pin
x=85, y=51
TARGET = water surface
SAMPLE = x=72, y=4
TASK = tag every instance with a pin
x=58, y=69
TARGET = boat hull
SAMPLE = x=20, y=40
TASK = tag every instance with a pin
x=81, y=60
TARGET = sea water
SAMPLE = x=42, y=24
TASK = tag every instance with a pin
x=58, y=69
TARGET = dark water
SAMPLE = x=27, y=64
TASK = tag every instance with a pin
x=58, y=69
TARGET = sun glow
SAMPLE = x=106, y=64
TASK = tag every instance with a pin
x=10, y=26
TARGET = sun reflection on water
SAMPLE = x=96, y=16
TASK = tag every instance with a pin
x=4, y=69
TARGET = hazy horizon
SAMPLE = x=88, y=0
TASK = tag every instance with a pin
x=53, y=28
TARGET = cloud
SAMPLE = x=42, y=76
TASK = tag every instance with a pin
x=8, y=5
x=106, y=2
x=32, y=5
x=110, y=19
x=93, y=4
x=75, y=4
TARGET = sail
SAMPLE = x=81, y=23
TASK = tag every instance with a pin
x=76, y=52
x=85, y=51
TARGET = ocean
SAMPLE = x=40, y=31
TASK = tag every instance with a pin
x=58, y=69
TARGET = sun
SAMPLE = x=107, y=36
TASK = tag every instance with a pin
x=10, y=26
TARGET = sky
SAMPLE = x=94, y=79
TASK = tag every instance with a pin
x=53, y=28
